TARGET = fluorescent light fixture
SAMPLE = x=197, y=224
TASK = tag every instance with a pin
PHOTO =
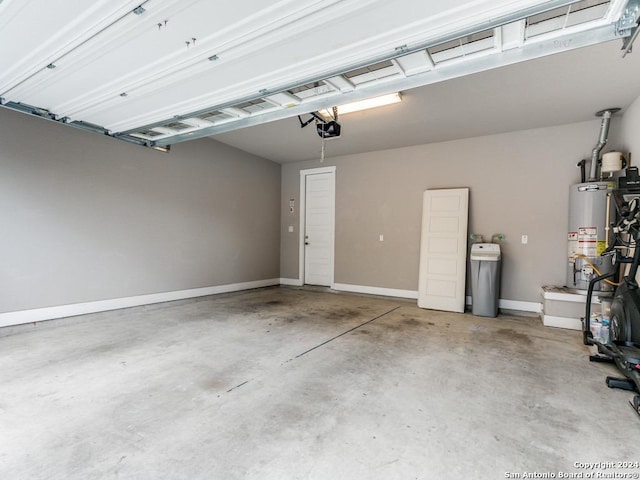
x=365, y=104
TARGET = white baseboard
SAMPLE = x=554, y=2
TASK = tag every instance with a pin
x=534, y=307
x=294, y=282
x=412, y=294
x=50, y=313
x=512, y=305
x=387, y=292
x=562, y=322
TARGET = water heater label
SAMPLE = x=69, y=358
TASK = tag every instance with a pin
x=587, y=241
x=573, y=246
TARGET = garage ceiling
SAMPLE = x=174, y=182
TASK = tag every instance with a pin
x=558, y=89
x=160, y=72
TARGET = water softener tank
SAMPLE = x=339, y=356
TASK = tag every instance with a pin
x=587, y=235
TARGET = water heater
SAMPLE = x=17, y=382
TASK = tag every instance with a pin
x=590, y=209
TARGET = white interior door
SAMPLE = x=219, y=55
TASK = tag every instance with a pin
x=443, y=249
x=318, y=228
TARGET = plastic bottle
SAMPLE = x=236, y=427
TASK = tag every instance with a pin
x=604, y=331
x=596, y=327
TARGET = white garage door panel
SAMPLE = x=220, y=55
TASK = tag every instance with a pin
x=443, y=249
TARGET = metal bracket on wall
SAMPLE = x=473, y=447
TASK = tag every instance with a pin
x=627, y=26
x=86, y=126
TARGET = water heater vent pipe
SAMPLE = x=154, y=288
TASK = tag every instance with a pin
x=602, y=141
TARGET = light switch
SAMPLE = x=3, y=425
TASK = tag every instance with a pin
x=525, y=239
x=290, y=228
x=381, y=238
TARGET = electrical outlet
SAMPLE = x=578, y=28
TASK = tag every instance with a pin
x=525, y=239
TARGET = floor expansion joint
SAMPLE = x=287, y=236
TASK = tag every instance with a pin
x=348, y=331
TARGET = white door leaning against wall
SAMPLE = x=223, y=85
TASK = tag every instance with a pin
x=443, y=249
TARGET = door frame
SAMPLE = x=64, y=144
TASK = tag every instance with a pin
x=302, y=225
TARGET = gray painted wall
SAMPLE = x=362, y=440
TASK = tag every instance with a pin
x=519, y=185
x=629, y=129
x=87, y=218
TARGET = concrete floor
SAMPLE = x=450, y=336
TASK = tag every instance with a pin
x=250, y=386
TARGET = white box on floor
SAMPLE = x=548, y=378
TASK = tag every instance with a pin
x=562, y=308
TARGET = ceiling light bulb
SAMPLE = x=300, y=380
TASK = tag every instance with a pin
x=364, y=104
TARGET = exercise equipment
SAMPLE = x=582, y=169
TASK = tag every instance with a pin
x=622, y=347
